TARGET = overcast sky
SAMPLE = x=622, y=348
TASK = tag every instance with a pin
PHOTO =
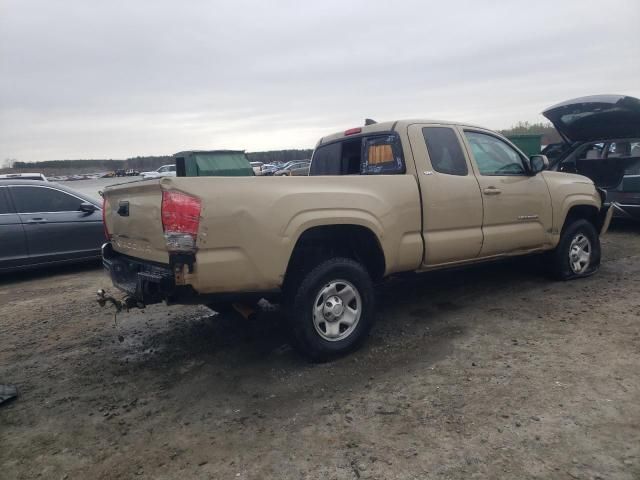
x=113, y=79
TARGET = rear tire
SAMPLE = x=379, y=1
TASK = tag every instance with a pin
x=332, y=310
x=578, y=252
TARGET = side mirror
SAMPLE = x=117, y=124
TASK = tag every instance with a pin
x=538, y=163
x=87, y=207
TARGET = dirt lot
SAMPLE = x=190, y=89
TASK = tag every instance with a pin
x=493, y=372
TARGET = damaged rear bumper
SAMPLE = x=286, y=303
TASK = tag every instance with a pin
x=146, y=282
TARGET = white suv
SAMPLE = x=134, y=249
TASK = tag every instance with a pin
x=163, y=171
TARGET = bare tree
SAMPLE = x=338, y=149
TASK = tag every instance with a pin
x=8, y=163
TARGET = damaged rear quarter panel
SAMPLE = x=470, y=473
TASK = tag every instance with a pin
x=250, y=225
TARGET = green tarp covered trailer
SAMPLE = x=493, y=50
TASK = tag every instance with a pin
x=529, y=143
x=213, y=163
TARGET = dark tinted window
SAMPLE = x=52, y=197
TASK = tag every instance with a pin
x=445, y=151
x=5, y=207
x=382, y=156
x=326, y=160
x=39, y=199
x=339, y=158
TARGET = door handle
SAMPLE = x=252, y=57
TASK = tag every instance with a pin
x=37, y=220
x=492, y=191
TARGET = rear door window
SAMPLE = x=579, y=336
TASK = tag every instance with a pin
x=593, y=152
x=445, y=151
x=5, y=206
x=43, y=199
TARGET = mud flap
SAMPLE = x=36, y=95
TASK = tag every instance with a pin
x=606, y=214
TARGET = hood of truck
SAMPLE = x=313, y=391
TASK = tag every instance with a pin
x=596, y=117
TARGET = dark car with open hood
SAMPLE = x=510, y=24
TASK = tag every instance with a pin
x=601, y=140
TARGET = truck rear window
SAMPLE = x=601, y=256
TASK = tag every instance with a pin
x=372, y=155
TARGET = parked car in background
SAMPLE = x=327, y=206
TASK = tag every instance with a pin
x=269, y=169
x=163, y=171
x=47, y=223
x=601, y=136
x=294, y=169
x=24, y=176
x=257, y=167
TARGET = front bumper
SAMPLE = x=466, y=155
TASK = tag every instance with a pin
x=147, y=282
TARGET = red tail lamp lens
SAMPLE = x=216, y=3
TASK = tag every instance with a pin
x=104, y=218
x=180, y=213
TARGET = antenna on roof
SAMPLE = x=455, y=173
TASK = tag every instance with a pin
x=369, y=121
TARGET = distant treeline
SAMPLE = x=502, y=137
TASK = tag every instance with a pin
x=547, y=130
x=142, y=163
x=137, y=163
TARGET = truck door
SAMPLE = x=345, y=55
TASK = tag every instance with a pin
x=517, y=205
x=451, y=198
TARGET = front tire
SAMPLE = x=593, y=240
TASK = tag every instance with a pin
x=578, y=252
x=332, y=310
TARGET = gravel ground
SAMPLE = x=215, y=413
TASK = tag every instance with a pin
x=489, y=372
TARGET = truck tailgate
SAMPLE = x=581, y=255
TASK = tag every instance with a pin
x=133, y=220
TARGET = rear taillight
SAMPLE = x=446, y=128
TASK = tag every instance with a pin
x=104, y=219
x=180, y=220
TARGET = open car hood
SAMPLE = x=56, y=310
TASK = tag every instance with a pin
x=596, y=117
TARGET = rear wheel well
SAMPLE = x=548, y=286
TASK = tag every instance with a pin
x=587, y=212
x=329, y=241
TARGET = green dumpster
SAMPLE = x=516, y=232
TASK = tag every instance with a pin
x=213, y=163
x=529, y=143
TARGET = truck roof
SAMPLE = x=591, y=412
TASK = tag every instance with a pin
x=393, y=125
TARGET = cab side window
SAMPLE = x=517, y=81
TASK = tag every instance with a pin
x=382, y=156
x=494, y=156
x=371, y=155
x=445, y=151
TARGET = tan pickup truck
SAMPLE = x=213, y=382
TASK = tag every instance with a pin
x=411, y=195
